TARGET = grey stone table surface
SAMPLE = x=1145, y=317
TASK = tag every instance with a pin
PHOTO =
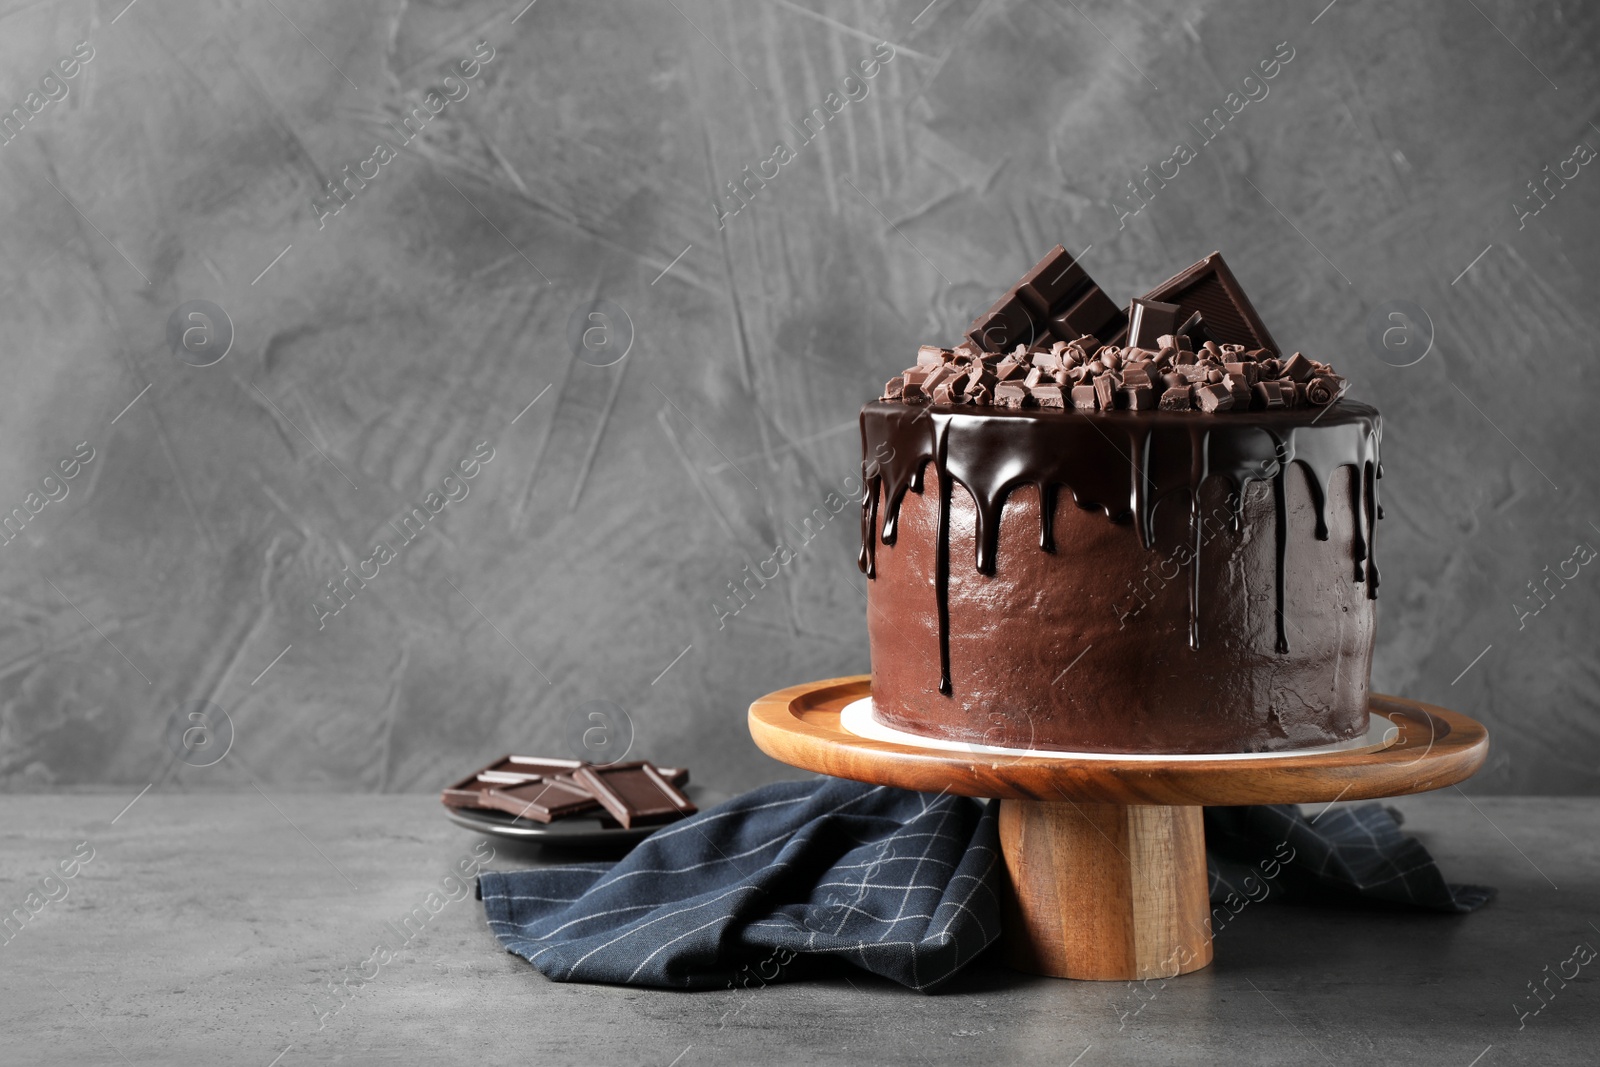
x=209, y=928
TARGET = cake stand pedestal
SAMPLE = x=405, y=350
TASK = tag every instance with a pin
x=1105, y=856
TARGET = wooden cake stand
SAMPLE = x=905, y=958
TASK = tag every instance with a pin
x=1105, y=855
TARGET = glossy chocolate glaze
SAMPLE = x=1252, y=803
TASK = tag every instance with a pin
x=1125, y=465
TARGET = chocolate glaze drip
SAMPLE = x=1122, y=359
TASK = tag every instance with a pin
x=1120, y=463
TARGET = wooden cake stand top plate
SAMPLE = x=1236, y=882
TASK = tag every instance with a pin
x=1426, y=747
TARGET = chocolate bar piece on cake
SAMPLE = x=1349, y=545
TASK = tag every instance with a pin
x=1209, y=288
x=1055, y=301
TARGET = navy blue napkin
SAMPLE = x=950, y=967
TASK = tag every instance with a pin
x=1341, y=854
x=905, y=885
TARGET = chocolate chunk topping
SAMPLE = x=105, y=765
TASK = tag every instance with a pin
x=1048, y=396
x=1213, y=397
x=1177, y=398
x=1010, y=394
x=1297, y=367
x=1056, y=338
x=1008, y=368
x=1105, y=391
x=1322, y=391
x=1150, y=320
x=1268, y=395
x=1136, y=398
x=1248, y=371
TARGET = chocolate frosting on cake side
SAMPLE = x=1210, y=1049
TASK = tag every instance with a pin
x=1195, y=473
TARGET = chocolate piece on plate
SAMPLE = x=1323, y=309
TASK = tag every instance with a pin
x=678, y=776
x=533, y=765
x=635, y=794
x=543, y=799
x=467, y=793
x=507, y=770
x=1084, y=397
x=1210, y=288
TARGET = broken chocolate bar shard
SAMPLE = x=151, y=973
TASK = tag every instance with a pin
x=1193, y=332
x=1210, y=288
x=1092, y=313
x=1084, y=397
x=1149, y=321
x=635, y=794
x=1056, y=300
x=1005, y=325
x=543, y=799
x=1053, y=279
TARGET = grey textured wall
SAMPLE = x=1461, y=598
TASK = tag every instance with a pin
x=374, y=349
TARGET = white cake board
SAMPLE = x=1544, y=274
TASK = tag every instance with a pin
x=858, y=718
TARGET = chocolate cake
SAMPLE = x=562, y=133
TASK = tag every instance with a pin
x=1105, y=531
